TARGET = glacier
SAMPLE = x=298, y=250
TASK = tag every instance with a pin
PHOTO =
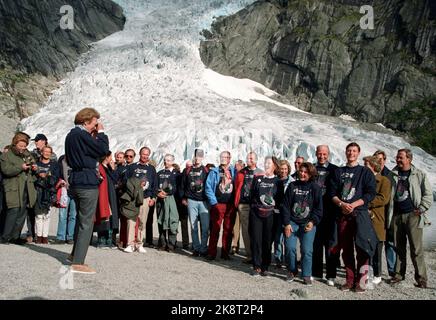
x=151, y=88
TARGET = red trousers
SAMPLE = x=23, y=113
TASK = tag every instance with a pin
x=347, y=233
x=218, y=213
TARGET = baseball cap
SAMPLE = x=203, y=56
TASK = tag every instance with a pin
x=40, y=136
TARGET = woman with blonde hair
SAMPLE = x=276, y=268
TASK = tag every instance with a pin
x=376, y=209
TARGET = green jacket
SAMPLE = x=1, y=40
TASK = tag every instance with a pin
x=15, y=179
x=420, y=192
x=132, y=198
x=168, y=216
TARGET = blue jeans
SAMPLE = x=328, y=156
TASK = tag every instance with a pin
x=65, y=233
x=306, y=241
x=278, y=243
x=391, y=256
x=198, y=212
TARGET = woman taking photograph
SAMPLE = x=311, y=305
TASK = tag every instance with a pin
x=301, y=212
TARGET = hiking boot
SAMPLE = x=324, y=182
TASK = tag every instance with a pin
x=82, y=268
x=256, y=272
x=44, y=240
x=308, y=281
x=421, y=284
x=290, y=277
x=38, y=240
x=395, y=280
x=346, y=287
x=225, y=257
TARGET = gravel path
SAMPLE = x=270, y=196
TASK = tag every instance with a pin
x=37, y=272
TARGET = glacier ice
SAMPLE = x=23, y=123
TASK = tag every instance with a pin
x=152, y=89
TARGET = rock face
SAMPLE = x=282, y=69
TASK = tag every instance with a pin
x=316, y=55
x=35, y=52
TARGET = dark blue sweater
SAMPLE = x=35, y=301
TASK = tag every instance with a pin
x=353, y=183
x=144, y=172
x=83, y=152
x=302, y=203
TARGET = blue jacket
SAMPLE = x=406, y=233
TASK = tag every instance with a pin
x=212, y=182
x=83, y=152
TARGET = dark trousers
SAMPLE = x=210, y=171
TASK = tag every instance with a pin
x=30, y=221
x=321, y=251
x=14, y=220
x=86, y=203
x=166, y=238
x=347, y=232
x=261, y=230
x=149, y=226
x=221, y=213
x=377, y=260
x=183, y=218
x=14, y=223
x=2, y=210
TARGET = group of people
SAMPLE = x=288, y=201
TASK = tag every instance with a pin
x=353, y=209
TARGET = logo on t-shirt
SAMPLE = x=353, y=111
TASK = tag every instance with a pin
x=348, y=191
x=196, y=184
x=402, y=192
x=322, y=176
x=225, y=185
x=301, y=206
x=248, y=181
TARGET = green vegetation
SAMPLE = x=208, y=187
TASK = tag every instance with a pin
x=421, y=115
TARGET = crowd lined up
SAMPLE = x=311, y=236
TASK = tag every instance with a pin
x=355, y=209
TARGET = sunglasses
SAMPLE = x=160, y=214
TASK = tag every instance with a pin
x=128, y=156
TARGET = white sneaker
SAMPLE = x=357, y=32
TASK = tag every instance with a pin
x=141, y=249
x=330, y=282
x=376, y=280
x=129, y=249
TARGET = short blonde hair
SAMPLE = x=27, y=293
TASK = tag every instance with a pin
x=86, y=114
x=373, y=162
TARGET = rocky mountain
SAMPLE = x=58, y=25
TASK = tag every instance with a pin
x=35, y=52
x=318, y=57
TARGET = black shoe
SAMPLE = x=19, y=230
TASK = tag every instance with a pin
x=69, y=242
x=395, y=280
x=264, y=273
x=210, y=258
x=248, y=261
x=171, y=248
x=225, y=257
x=149, y=245
x=185, y=247
x=204, y=254
x=20, y=242
x=421, y=284
x=195, y=253
x=58, y=241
